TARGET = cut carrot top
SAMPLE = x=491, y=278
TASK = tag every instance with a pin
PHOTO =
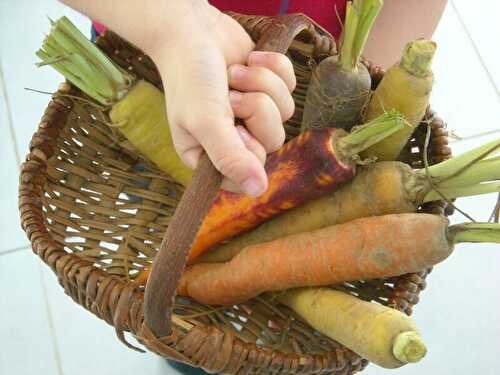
x=68, y=51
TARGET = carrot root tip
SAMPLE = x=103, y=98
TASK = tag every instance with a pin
x=408, y=347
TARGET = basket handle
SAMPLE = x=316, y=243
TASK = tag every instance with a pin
x=171, y=259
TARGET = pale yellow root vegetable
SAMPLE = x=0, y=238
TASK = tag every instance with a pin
x=378, y=333
x=406, y=87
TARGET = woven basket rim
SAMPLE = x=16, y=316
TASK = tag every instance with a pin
x=120, y=303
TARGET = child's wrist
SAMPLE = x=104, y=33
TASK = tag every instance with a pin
x=180, y=23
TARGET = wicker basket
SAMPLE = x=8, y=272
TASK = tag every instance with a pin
x=76, y=208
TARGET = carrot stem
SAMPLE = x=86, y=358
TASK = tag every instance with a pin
x=464, y=175
x=457, y=165
x=461, y=191
x=346, y=60
x=485, y=170
x=359, y=19
x=79, y=60
x=369, y=13
x=366, y=135
x=474, y=233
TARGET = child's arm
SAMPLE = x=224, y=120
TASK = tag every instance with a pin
x=193, y=45
x=399, y=22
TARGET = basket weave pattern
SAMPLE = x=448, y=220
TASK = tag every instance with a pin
x=75, y=206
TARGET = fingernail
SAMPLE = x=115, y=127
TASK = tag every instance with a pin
x=237, y=71
x=252, y=187
x=245, y=136
x=235, y=97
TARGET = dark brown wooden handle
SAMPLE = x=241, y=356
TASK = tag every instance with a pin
x=171, y=259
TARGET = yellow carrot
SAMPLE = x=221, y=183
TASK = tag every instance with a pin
x=406, y=87
x=142, y=117
x=378, y=333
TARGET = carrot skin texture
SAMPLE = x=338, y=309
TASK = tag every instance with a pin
x=303, y=169
x=366, y=248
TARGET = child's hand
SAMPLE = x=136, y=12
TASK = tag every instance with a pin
x=210, y=77
x=197, y=68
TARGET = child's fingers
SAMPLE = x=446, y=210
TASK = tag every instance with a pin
x=278, y=63
x=190, y=156
x=261, y=117
x=229, y=185
x=259, y=79
x=229, y=154
x=253, y=146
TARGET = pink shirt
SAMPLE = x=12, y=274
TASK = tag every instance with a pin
x=324, y=12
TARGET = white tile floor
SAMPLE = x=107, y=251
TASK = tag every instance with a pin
x=43, y=331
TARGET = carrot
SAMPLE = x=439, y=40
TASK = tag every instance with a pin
x=366, y=248
x=310, y=165
x=378, y=333
x=378, y=189
x=407, y=87
x=340, y=85
x=137, y=108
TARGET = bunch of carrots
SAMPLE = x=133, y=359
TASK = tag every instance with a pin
x=324, y=219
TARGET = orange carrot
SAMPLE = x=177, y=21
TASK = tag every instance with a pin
x=379, y=189
x=367, y=248
x=310, y=165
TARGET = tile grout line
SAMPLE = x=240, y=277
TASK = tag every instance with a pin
x=476, y=50
x=15, y=250
x=10, y=122
x=50, y=322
